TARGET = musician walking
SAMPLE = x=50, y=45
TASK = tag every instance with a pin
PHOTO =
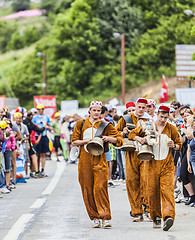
x=160, y=170
x=93, y=170
x=134, y=168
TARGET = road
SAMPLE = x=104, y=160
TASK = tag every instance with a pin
x=52, y=208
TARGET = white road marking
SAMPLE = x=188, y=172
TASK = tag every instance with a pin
x=38, y=203
x=18, y=227
x=55, y=179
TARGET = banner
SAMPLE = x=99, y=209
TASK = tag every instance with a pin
x=49, y=102
x=164, y=91
x=2, y=101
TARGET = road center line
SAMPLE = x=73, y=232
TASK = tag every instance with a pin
x=38, y=203
x=18, y=227
x=54, y=181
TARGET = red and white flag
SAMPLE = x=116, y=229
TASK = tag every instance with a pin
x=164, y=91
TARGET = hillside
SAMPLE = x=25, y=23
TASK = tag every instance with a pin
x=83, y=56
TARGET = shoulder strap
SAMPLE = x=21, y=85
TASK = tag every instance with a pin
x=82, y=124
x=101, y=128
x=128, y=119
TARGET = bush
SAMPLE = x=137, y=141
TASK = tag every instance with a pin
x=20, y=5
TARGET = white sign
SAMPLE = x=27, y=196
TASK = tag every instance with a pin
x=185, y=95
x=185, y=67
x=69, y=105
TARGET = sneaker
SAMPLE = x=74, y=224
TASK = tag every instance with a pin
x=39, y=175
x=96, y=223
x=157, y=223
x=8, y=187
x=168, y=223
x=12, y=186
x=193, y=205
x=177, y=191
x=43, y=174
x=4, y=190
x=147, y=214
x=111, y=184
x=138, y=218
x=106, y=224
x=192, y=200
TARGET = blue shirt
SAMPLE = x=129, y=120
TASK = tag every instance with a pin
x=41, y=120
x=191, y=143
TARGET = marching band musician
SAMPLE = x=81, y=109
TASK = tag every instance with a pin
x=160, y=170
x=134, y=168
x=93, y=170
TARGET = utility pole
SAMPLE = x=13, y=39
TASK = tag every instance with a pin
x=44, y=75
x=123, y=66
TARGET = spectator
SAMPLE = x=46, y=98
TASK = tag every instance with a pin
x=10, y=146
x=43, y=146
x=56, y=124
x=32, y=153
x=65, y=137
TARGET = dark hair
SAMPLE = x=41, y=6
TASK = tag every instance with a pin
x=184, y=107
x=29, y=113
x=175, y=103
x=116, y=117
x=104, y=109
x=163, y=112
x=125, y=112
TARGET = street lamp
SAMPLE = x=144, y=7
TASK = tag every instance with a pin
x=40, y=54
x=122, y=37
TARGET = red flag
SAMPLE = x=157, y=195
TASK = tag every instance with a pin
x=164, y=91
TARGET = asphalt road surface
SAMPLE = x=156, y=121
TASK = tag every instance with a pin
x=52, y=209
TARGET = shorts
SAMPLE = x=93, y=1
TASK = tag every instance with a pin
x=7, y=160
x=31, y=151
x=57, y=143
x=43, y=146
x=108, y=156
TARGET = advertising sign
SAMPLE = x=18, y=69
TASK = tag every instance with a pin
x=2, y=101
x=185, y=67
x=49, y=102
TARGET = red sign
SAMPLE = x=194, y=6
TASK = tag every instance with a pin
x=2, y=101
x=49, y=102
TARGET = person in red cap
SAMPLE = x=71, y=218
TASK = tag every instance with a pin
x=130, y=106
x=160, y=170
x=151, y=107
x=134, y=168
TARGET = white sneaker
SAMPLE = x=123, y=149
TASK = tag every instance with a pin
x=106, y=224
x=4, y=190
x=177, y=191
x=96, y=223
x=12, y=186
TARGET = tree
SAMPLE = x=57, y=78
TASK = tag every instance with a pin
x=20, y=5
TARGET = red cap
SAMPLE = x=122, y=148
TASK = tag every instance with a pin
x=17, y=109
x=142, y=100
x=130, y=105
x=164, y=108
